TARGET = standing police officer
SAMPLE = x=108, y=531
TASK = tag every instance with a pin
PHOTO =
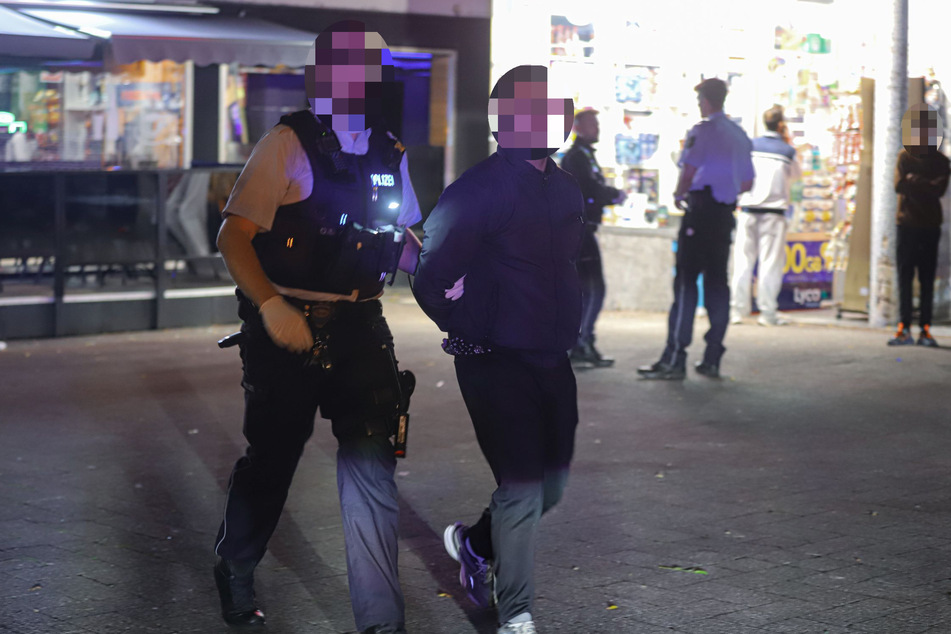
x=579, y=161
x=315, y=222
x=716, y=167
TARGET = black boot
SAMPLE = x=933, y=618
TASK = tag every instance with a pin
x=596, y=357
x=235, y=581
x=580, y=357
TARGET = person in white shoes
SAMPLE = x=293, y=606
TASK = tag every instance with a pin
x=511, y=226
x=761, y=225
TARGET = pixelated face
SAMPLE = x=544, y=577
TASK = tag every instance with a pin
x=522, y=117
x=345, y=83
x=921, y=129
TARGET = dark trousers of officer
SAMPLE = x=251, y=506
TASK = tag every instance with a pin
x=917, y=249
x=281, y=399
x=703, y=246
x=591, y=277
x=524, y=410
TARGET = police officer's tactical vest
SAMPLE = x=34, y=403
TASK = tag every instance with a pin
x=343, y=237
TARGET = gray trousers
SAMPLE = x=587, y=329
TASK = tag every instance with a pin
x=524, y=411
x=515, y=510
x=370, y=511
x=281, y=400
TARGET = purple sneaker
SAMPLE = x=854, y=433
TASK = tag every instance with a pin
x=475, y=573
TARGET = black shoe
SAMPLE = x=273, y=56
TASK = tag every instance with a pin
x=597, y=359
x=708, y=369
x=663, y=371
x=586, y=355
x=235, y=581
x=579, y=358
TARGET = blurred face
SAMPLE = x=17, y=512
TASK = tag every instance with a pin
x=345, y=83
x=705, y=108
x=587, y=128
x=921, y=129
x=523, y=119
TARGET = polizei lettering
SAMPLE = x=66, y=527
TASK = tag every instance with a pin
x=382, y=180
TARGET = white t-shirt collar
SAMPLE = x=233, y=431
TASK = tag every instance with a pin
x=351, y=145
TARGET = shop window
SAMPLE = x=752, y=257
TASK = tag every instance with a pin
x=132, y=117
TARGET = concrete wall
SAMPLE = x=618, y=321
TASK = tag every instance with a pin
x=638, y=267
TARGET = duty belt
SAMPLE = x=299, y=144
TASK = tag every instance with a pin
x=318, y=315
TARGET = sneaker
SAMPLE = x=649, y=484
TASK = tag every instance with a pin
x=925, y=339
x=235, y=582
x=663, y=372
x=475, y=573
x=522, y=627
x=736, y=318
x=902, y=337
x=772, y=320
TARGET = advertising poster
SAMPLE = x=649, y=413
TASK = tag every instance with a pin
x=807, y=282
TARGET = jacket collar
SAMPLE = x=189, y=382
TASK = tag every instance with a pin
x=523, y=167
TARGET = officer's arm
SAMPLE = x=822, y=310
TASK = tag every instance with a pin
x=748, y=172
x=234, y=242
x=576, y=164
x=409, y=259
x=687, y=172
x=593, y=190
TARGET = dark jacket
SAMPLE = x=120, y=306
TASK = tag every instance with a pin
x=919, y=197
x=579, y=161
x=514, y=232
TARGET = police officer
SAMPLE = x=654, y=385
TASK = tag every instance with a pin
x=308, y=236
x=579, y=161
x=716, y=167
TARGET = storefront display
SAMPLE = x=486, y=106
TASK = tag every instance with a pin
x=638, y=69
x=132, y=117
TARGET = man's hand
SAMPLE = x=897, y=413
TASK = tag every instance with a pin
x=286, y=325
x=620, y=198
x=680, y=202
x=457, y=289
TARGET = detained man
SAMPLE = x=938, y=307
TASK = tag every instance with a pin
x=498, y=273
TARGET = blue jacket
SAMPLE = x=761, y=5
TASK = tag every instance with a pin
x=515, y=233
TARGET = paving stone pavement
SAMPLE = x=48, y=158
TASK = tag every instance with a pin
x=806, y=492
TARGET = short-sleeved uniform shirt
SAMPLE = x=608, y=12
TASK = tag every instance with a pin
x=278, y=173
x=721, y=152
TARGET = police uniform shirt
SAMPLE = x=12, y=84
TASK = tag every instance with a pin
x=721, y=152
x=278, y=173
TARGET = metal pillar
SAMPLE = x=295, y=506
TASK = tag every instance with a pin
x=891, y=97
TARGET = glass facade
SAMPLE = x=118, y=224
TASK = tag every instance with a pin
x=131, y=117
